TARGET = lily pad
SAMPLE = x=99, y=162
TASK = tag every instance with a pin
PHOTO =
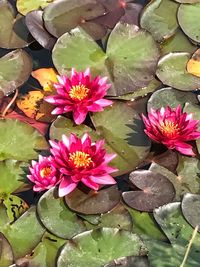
x=56, y=216
x=172, y=71
x=6, y=254
x=159, y=18
x=191, y=209
x=63, y=16
x=123, y=131
x=15, y=69
x=130, y=60
x=11, y=173
x=35, y=24
x=99, y=247
x=170, y=97
x=14, y=33
x=20, y=141
x=188, y=18
x=129, y=262
x=156, y=191
x=93, y=202
x=24, y=234
x=25, y=7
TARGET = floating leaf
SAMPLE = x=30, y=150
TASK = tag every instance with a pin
x=132, y=13
x=14, y=33
x=177, y=43
x=24, y=6
x=57, y=218
x=172, y=71
x=6, y=254
x=46, y=77
x=129, y=261
x=93, y=202
x=193, y=65
x=170, y=97
x=130, y=60
x=188, y=18
x=15, y=69
x=24, y=234
x=11, y=173
x=157, y=190
x=62, y=16
x=19, y=141
x=191, y=209
x=35, y=24
x=34, y=106
x=159, y=18
x=100, y=247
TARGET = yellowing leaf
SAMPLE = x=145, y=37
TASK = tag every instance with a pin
x=46, y=77
x=193, y=65
x=34, y=106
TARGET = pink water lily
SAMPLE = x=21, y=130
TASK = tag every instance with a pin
x=173, y=128
x=79, y=94
x=43, y=174
x=80, y=160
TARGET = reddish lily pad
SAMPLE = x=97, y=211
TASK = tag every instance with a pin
x=191, y=209
x=35, y=24
x=93, y=202
x=157, y=190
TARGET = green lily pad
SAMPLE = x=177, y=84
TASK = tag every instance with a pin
x=20, y=141
x=177, y=43
x=172, y=71
x=11, y=173
x=191, y=209
x=130, y=60
x=129, y=261
x=15, y=69
x=3, y=215
x=100, y=247
x=159, y=18
x=45, y=254
x=25, y=7
x=188, y=18
x=24, y=234
x=63, y=16
x=123, y=131
x=56, y=216
x=170, y=97
x=14, y=33
x=94, y=202
x=6, y=254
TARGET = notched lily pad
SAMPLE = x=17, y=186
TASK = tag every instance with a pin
x=56, y=216
x=100, y=247
x=191, y=209
x=15, y=69
x=157, y=190
x=93, y=202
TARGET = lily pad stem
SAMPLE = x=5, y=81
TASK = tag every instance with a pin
x=10, y=104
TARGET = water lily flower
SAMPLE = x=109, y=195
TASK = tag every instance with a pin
x=43, y=174
x=80, y=160
x=79, y=94
x=173, y=128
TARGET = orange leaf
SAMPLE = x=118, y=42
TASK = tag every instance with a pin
x=193, y=65
x=34, y=106
x=46, y=77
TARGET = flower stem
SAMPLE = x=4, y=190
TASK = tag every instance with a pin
x=189, y=246
x=10, y=104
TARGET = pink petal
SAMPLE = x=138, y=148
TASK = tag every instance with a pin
x=185, y=149
x=79, y=116
x=89, y=183
x=57, y=111
x=66, y=141
x=103, y=179
x=104, y=102
x=66, y=186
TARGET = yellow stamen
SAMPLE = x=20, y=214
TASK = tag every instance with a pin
x=169, y=128
x=80, y=159
x=45, y=172
x=79, y=92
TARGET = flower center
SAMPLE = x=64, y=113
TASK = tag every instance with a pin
x=79, y=92
x=169, y=128
x=45, y=172
x=80, y=159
